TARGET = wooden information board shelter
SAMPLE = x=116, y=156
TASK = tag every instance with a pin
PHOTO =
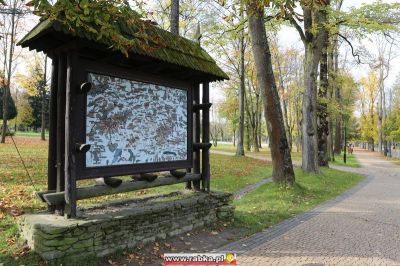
x=112, y=115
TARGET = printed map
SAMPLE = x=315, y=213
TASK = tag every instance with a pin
x=131, y=122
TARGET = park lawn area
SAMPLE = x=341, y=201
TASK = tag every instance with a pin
x=272, y=203
x=229, y=174
x=351, y=161
x=264, y=151
x=30, y=134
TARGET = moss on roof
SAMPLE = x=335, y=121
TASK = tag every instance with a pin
x=149, y=40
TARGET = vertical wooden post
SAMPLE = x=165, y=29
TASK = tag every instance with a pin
x=60, y=132
x=206, y=139
x=196, y=136
x=70, y=162
x=52, y=155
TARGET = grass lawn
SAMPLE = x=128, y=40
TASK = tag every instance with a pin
x=264, y=151
x=394, y=160
x=257, y=210
x=273, y=203
x=351, y=161
x=30, y=134
x=17, y=194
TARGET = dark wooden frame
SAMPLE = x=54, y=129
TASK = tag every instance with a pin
x=79, y=122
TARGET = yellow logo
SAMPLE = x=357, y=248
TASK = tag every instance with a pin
x=230, y=257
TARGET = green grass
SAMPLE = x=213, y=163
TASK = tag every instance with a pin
x=264, y=151
x=351, y=161
x=30, y=134
x=394, y=160
x=273, y=203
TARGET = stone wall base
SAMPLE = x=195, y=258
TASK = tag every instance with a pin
x=105, y=229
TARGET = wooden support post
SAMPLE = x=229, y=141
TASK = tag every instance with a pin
x=52, y=155
x=60, y=131
x=206, y=139
x=196, y=136
x=70, y=162
x=52, y=151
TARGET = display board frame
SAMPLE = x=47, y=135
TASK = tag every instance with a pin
x=84, y=67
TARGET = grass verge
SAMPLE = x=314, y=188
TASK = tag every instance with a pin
x=273, y=203
x=351, y=161
x=264, y=151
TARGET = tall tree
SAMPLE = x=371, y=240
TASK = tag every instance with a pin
x=280, y=152
x=11, y=108
x=10, y=24
x=43, y=92
x=35, y=84
x=240, y=131
x=8, y=70
x=174, y=20
x=322, y=122
x=334, y=70
x=313, y=38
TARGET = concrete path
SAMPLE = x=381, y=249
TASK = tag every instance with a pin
x=359, y=227
x=240, y=193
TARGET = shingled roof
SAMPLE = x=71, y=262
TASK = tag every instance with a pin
x=174, y=49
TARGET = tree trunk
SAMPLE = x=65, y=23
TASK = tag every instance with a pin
x=309, y=121
x=280, y=153
x=43, y=113
x=255, y=136
x=313, y=47
x=7, y=88
x=248, y=138
x=380, y=111
x=323, y=127
x=174, y=17
x=338, y=126
x=259, y=130
x=240, y=132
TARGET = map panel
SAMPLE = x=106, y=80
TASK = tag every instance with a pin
x=131, y=122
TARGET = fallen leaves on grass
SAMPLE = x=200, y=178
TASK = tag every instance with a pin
x=114, y=263
x=10, y=241
x=7, y=207
x=23, y=251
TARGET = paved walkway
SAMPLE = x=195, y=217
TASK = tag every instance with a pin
x=240, y=193
x=360, y=227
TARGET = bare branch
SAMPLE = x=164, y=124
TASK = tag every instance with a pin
x=355, y=55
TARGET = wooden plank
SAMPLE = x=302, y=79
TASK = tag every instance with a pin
x=69, y=168
x=60, y=132
x=202, y=106
x=96, y=191
x=201, y=146
x=206, y=139
x=52, y=153
x=196, y=135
